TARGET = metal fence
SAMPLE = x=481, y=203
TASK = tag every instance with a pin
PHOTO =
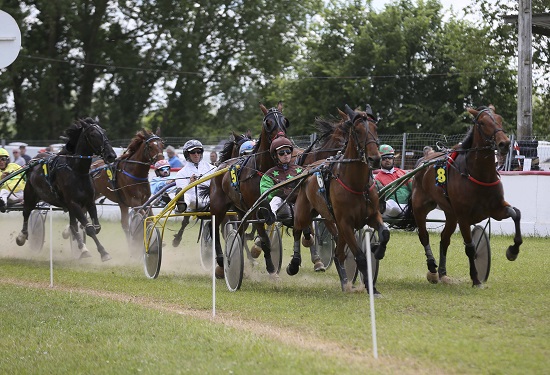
x=408, y=147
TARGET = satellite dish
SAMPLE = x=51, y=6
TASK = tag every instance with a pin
x=10, y=39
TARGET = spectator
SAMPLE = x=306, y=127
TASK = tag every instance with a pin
x=17, y=159
x=23, y=152
x=281, y=150
x=173, y=159
x=426, y=151
x=12, y=190
x=162, y=172
x=396, y=204
x=213, y=158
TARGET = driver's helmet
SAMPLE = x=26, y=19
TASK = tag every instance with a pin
x=246, y=148
x=4, y=152
x=191, y=145
x=162, y=168
x=278, y=144
x=386, y=150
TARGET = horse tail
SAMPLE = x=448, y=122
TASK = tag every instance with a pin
x=204, y=192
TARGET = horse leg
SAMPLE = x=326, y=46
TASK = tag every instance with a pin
x=294, y=266
x=177, y=237
x=339, y=258
x=318, y=265
x=424, y=238
x=30, y=200
x=450, y=226
x=73, y=227
x=219, y=271
x=90, y=229
x=384, y=238
x=124, y=223
x=513, y=250
x=470, y=249
x=266, y=247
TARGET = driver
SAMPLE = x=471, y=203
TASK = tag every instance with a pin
x=396, y=204
x=11, y=191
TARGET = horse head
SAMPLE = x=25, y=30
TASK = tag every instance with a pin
x=154, y=146
x=365, y=135
x=96, y=140
x=274, y=123
x=489, y=128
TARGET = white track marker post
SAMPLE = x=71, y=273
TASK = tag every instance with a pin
x=213, y=233
x=51, y=247
x=371, y=295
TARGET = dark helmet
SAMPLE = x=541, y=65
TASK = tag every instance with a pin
x=279, y=143
x=190, y=146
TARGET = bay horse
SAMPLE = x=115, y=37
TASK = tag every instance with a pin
x=339, y=192
x=62, y=180
x=126, y=180
x=240, y=187
x=333, y=137
x=467, y=187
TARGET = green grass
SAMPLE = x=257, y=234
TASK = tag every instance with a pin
x=108, y=318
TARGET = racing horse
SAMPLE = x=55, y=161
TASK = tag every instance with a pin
x=62, y=180
x=240, y=186
x=339, y=192
x=126, y=180
x=466, y=186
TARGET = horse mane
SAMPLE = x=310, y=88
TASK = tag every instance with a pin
x=469, y=138
x=327, y=127
x=73, y=134
x=237, y=141
x=135, y=143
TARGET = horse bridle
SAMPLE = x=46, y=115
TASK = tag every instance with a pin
x=104, y=140
x=488, y=139
x=152, y=159
x=361, y=149
x=279, y=121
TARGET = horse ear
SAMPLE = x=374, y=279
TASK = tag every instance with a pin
x=280, y=106
x=96, y=120
x=472, y=111
x=157, y=132
x=263, y=108
x=343, y=116
x=350, y=112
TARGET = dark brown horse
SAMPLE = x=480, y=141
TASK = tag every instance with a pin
x=126, y=180
x=240, y=188
x=467, y=187
x=340, y=194
x=63, y=181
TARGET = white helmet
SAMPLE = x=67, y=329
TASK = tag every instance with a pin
x=191, y=145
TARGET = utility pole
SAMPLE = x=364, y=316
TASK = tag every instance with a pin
x=525, y=77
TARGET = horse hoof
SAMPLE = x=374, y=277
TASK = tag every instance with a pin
x=176, y=241
x=511, y=255
x=255, y=251
x=444, y=279
x=105, y=257
x=66, y=233
x=319, y=267
x=274, y=276
x=479, y=286
x=21, y=239
x=220, y=274
x=376, y=293
x=85, y=254
x=293, y=267
x=308, y=243
x=432, y=277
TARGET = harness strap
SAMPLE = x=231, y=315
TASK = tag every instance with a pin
x=348, y=188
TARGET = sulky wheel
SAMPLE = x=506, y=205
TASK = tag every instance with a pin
x=324, y=242
x=233, y=260
x=152, y=254
x=135, y=228
x=36, y=229
x=274, y=233
x=483, y=252
x=206, y=245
